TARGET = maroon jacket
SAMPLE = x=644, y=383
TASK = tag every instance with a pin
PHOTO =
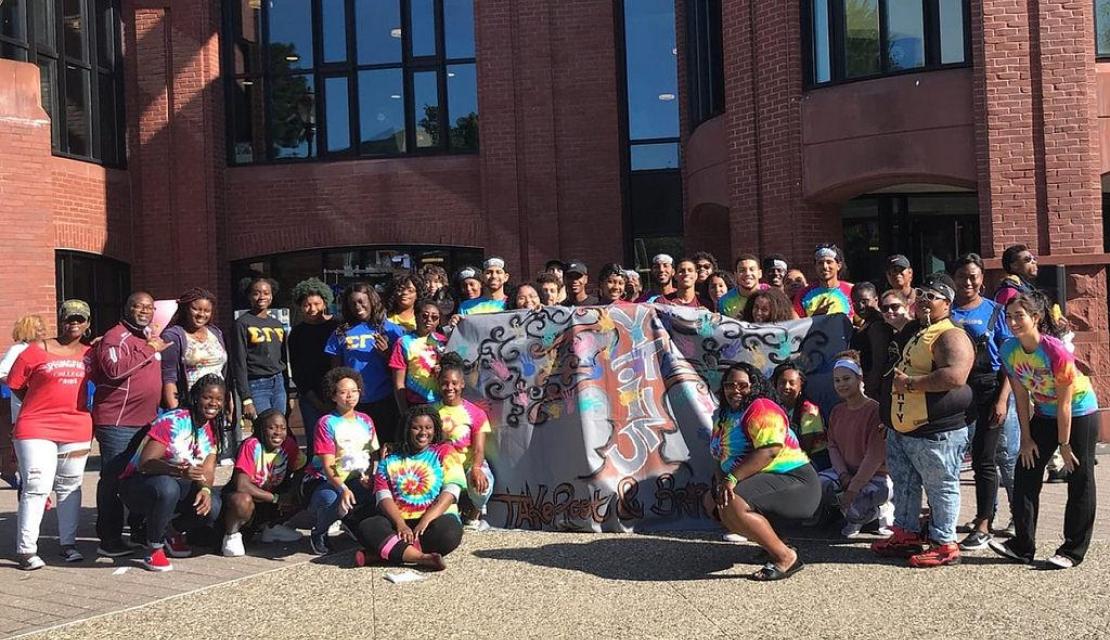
x=128, y=377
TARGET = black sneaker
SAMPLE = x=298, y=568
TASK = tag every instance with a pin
x=975, y=541
x=968, y=527
x=113, y=549
x=1006, y=532
x=1004, y=550
x=318, y=542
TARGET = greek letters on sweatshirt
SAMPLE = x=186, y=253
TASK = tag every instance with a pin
x=259, y=350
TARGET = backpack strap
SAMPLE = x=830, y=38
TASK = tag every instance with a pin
x=993, y=321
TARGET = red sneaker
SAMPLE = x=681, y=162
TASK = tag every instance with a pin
x=902, y=544
x=157, y=561
x=177, y=546
x=937, y=555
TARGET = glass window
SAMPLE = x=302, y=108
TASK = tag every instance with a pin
x=45, y=25
x=821, y=51
x=952, y=40
x=105, y=32
x=423, y=27
x=48, y=83
x=78, y=138
x=381, y=107
x=462, y=106
x=861, y=41
x=425, y=103
x=103, y=282
x=293, y=117
x=12, y=22
x=378, y=31
x=246, y=38
x=333, y=14
x=74, y=25
x=651, y=71
x=290, y=34
x=337, y=120
x=654, y=156
x=248, y=121
x=458, y=27
x=905, y=28
x=705, y=81
x=110, y=137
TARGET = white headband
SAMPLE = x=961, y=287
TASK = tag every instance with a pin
x=662, y=258
x=467, y=274
x=850, y=365
x=495, y=263
x=824, y=252
x=630, y=274
x=779, y=264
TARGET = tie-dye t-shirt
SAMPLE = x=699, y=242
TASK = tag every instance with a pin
x=812, y=297
x=811, y=425
x=764, y=424
x=414, y=482
x=419, y=357
x=482, y=305
x=174, y=429
x=351, y=440
x=733, y=302
x=1039, y=372
x=461, y=425
x=268, y=469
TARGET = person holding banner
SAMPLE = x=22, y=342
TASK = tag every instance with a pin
x=527, y=297
x=465, y=426
x=611, y=284
x=762, y=471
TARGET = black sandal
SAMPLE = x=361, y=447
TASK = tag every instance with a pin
x=770, y=573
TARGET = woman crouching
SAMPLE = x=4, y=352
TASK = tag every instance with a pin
x=416, y=489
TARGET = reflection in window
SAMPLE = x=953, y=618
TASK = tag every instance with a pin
x=651, y=70
x=705, y=74
x=846, y=40
x=654, y=156
x=77, y=110
x=408, y=79
x=74, y=24
x=103, y=282
x=12, y=21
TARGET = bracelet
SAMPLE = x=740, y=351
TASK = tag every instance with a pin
x=1064, y=444
x=206, y=489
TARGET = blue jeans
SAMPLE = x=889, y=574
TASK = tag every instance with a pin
x=269, y=393
x=109, y=508
x=160, y=498
x=324, y=503
x=480, y=500
x=931, y=463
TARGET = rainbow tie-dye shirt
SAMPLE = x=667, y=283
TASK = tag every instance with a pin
x=812, y=297
x=763, y=424
x=733, y=302
x=174, y=429
x=419, y=357
x=415, y=481
x=481, y=305
x=461, y=425
x=1040, y=371
x=352, y=441
x=268, y=469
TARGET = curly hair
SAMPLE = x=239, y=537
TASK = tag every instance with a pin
x=26, y=328
x=332, y=378
x=397, y=285
x=429, y=273
x=781, y=307
x=312, y=287
x=407, y=445
x=761, y=386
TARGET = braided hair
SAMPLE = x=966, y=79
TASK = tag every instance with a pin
x=408, y=447
x=258, y=427
x=188, y=297
x=219, y=423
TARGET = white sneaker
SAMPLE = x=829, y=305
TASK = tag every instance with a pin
x=734, y=537
x=233, y=545
x=226, y=462
x=850, y=530
x=478, y=525
x=1059, y=562
x=280, y=533
x=885, y=532
x=335, y=529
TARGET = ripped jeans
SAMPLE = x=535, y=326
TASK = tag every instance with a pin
x=47, y=466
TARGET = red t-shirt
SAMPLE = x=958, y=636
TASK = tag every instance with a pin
x=55, y=401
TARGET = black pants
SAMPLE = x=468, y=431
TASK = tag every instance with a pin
x=386, y=415
x=984, y=450
x=377, y=535
x=1079, y=514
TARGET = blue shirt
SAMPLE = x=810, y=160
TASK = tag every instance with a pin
x=975, y=321
x=356, y=347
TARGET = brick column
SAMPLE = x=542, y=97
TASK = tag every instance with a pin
x=26, y=201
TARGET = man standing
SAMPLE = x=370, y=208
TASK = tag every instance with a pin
x=774, y=270
x=828, y=294
x=128, y=375
x=577, y=279
x=899, y=275
x=748, y=275
x=662, y=276
x=925, y=410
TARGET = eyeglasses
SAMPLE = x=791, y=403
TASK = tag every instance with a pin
x=736, y=386
x=429, y=316
x=931, y=296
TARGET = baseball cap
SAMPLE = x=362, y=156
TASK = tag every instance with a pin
x=577, y=266
x=466, y=273
x=72, y=308
x=897, y=261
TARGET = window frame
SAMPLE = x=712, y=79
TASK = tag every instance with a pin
x=931, y=41
x=321, y=70
x=1105, y=57
x=705, y=82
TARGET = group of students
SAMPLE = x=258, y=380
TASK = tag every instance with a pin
x=392, y=447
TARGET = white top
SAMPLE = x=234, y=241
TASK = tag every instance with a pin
x=6, y=368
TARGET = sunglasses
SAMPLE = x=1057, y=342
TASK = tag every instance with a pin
x=736, y=386
x=75, y=319
x=892, y=307
x=704, y=267
x=931, y=296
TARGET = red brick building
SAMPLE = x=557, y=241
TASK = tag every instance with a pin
x=162, y=144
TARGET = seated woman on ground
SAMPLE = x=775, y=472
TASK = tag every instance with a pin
x=805, y=418
x=416, y=488
x=762, y=471
x=465, y=426
x=857, y=483
x=169, y=477
x=261, y=494
x=339, y=475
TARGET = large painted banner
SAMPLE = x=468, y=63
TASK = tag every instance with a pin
x=602, y=415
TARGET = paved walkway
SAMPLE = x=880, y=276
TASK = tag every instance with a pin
x=527, y=584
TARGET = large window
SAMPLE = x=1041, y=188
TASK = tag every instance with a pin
x=334, y=79
x=76, y=46
x=855, y=39
x=1102, y=28
x=705, y=73
x=102, y=282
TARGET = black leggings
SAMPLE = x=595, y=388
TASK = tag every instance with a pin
x=793, y=495
x=1079, y=514
x=377, y=535
x=984, y=450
